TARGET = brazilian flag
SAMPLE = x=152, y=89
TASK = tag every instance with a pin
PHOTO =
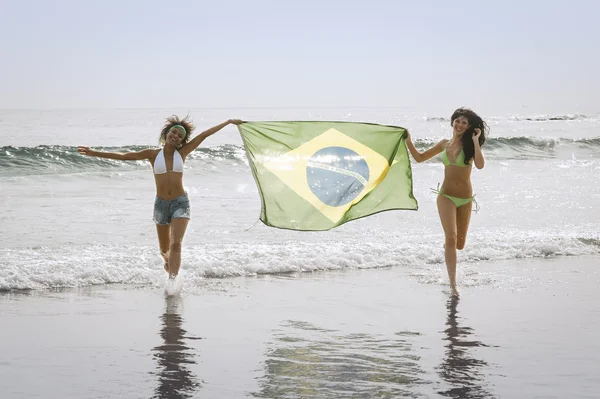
x=319, y=175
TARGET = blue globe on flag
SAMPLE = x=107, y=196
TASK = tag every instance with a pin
x=337, y=175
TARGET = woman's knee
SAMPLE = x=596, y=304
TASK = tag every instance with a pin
x=176, y=245
x=451, y=239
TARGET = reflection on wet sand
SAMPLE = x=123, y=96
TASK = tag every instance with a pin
x=460, y=369
x=175, y=380
x=305, y=361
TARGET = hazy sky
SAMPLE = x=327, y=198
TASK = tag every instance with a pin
x=138, y=54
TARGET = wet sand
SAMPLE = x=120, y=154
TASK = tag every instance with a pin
x=353, y=334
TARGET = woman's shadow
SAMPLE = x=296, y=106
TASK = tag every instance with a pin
x=460, y=369
x=175, y=380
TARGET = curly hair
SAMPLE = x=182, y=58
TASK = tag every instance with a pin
x=175, y=120
x=475, y=122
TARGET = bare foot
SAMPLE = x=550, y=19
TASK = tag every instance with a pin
x=454, y=291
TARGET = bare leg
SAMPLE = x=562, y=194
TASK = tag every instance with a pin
x=447, y=211
x=178, y=227
x=463, y=217
x=164, y=241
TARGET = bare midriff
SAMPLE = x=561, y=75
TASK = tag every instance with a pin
x=457, y=181
x=169, y=185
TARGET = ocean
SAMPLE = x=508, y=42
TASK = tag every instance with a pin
x=71, y=221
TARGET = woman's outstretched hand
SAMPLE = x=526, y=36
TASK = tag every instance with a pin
x=85, y=151
x=236, y=121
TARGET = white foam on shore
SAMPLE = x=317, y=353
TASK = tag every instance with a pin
x=51, y=267
x=174, y=285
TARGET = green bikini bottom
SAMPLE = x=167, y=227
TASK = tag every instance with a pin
x=458, y=202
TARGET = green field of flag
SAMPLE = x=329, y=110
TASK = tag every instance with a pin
x=319, y=175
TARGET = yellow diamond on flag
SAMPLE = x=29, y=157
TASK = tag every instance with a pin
x=332, y=172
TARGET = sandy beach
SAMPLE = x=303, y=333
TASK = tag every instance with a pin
x=351, y=334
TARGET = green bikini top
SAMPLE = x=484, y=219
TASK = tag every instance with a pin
x=460, y=159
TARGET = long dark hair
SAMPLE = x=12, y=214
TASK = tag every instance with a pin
x=475, y=122
x=172, y=121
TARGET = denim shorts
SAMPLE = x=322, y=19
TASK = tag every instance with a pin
x=165, y=211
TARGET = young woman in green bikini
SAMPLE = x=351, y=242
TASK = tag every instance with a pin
x=455, y=197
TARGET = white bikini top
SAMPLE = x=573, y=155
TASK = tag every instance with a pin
x=160, y=165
